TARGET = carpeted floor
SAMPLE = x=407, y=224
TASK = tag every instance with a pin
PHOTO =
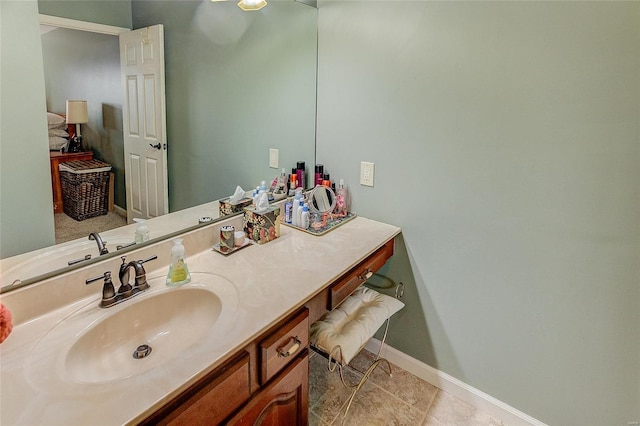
x=68, y=228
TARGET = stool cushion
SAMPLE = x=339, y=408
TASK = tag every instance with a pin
x=352, y=323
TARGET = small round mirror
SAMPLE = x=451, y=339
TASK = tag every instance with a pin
x=322, y=200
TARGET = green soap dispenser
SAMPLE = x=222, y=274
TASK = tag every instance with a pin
x=178, y=271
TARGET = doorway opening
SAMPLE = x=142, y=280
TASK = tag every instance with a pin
x=81, y=61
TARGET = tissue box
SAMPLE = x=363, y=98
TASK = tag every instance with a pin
x=226, y=208
x=262, y=227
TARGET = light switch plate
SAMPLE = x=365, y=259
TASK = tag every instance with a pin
x=273, y=158
x=366, y=173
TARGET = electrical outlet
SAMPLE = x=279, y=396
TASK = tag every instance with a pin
x=273, y=158
x=366, y=173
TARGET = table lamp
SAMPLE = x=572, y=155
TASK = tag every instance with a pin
x=77, y=114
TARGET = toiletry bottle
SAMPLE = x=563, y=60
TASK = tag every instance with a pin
x=318, y=175
x=282, y=181
x=178, y=271
x=342, y=199
x=294, y=210
x=299, y=213
x=288, y=211
x=142, y=231
x=300, y=174
x=304, y=218
x=293, y=181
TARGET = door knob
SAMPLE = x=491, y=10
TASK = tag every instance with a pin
x=156, y=146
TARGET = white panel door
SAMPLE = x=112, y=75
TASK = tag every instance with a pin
x=145, y=136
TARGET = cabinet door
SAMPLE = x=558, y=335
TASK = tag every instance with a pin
x=210, y=400
x=284, y=401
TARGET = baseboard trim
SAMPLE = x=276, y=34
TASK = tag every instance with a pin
x=458, y=388
x=119, y=210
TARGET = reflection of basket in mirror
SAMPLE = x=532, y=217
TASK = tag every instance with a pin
x=85, y=188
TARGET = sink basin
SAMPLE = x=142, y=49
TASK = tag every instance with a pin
x=94, y=347
x=168, y=323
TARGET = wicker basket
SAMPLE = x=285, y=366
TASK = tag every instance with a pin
x=85, y=188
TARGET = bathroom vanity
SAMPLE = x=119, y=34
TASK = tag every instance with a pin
x=274, y=368
x=250, y=366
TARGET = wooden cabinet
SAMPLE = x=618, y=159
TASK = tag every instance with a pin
x=55, y=158
x=267, y=382
x=284, y=401
x=357, y=276
x=336, y=292
x=282, y=345
x=270, y=376
x=211, y=399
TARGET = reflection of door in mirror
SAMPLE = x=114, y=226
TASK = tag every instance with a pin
x=145, y=138
x=82, y=64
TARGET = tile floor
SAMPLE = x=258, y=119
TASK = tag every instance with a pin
x=402, y=399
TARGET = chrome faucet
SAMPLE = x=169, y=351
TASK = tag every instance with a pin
x=102, y=248
x=109, y=296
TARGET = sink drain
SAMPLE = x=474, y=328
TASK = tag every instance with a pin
x=142, y=351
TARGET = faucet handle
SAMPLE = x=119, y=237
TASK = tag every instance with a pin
x=108, y=291
x=124, y=246
x=148, y=260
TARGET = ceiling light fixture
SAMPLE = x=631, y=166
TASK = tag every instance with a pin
x=251, y=4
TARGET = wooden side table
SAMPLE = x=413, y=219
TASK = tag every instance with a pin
x=56, y=158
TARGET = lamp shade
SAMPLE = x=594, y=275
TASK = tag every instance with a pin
x=77, y=112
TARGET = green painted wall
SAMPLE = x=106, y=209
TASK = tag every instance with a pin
x=237, y=84
x=506, y=141
x=25, y=180
x=83, y=65
x=107, y=12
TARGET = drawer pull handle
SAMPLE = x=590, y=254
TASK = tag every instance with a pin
x=366, y=274
x=292, y=349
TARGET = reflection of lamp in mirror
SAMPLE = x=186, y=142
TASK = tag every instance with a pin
x=77, y=114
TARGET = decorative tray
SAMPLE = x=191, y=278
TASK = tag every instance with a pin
x=331, y=223
x=216, y=247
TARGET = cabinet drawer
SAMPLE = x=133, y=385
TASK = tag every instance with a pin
x=358, y=275
x=211, y=399
x=283, y=345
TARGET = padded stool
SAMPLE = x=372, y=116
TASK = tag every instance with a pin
x=342, y=333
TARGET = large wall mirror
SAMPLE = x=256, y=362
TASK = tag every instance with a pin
x=237, y=85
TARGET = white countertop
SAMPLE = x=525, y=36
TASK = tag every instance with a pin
x=270, y=282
